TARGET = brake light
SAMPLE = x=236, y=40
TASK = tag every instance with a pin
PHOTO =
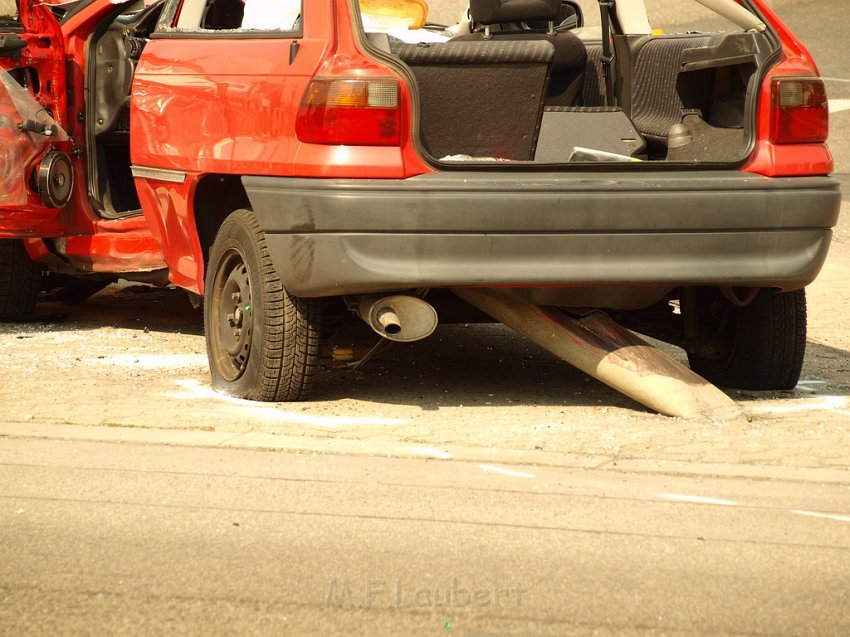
x=799, y=111
x=350, y=112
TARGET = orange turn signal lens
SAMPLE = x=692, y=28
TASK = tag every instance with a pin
x=350, y=112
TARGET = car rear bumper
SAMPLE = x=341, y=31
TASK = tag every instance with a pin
x=346, y=236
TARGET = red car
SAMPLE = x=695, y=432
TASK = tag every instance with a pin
x=278, y=157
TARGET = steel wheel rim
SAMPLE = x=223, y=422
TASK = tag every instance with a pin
x=232, y=325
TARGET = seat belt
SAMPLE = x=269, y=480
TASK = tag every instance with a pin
x=605, y=7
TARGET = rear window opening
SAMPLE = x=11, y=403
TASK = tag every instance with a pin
x=513, y=88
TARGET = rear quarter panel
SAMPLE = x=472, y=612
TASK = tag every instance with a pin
x=789, y=160
x=216, y=105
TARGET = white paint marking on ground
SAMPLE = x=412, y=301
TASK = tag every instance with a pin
x=195, y=391
x=698, y=499
x=506, y=472
x=818, y=403
x=428, y=451
x=825, y=516
x=836, y=106
x=835, y=79
x=809, y=385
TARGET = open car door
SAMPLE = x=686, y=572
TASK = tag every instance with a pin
x=36, y=176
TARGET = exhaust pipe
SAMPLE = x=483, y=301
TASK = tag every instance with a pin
x=612, y=354
x=399, y=317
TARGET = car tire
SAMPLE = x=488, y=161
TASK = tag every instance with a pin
x=262, y=343
x=762, y=344
x=20, y=282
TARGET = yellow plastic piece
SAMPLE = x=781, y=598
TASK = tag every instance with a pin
x=349, y=354
x=414, y=10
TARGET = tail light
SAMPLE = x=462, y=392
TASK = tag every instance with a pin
x=799, y=111
x=350, y=112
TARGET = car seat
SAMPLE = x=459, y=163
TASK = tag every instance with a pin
x=510, y=20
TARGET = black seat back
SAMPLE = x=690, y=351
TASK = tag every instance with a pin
x=482, y=99
x=593, y=90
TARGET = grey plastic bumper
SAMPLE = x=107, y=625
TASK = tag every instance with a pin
x=343, y=236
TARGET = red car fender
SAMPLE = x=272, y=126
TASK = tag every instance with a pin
x=196, y=112
x=169, y=211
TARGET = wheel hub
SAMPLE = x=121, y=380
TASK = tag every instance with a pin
x=235, y=324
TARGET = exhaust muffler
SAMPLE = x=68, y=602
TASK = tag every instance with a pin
x=398, y=317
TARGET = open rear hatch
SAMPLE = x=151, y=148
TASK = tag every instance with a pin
x=524, y=84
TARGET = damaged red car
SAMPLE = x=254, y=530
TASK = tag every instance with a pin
x=279, y=158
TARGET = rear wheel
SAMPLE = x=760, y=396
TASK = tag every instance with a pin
x=262, y=343
x=20, y=282
x=759, y=346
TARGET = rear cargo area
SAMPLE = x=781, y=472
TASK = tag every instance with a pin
x=670, y=98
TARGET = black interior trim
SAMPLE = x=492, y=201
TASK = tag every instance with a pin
x=110, y=186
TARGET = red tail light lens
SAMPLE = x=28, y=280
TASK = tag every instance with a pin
x=799, y=111
x=350, y=112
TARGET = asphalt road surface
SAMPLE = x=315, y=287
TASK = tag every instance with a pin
x=103, y=538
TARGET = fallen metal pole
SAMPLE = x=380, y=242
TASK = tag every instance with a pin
x=602, y=348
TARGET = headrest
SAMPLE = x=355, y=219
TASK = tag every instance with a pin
x=503, y=11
